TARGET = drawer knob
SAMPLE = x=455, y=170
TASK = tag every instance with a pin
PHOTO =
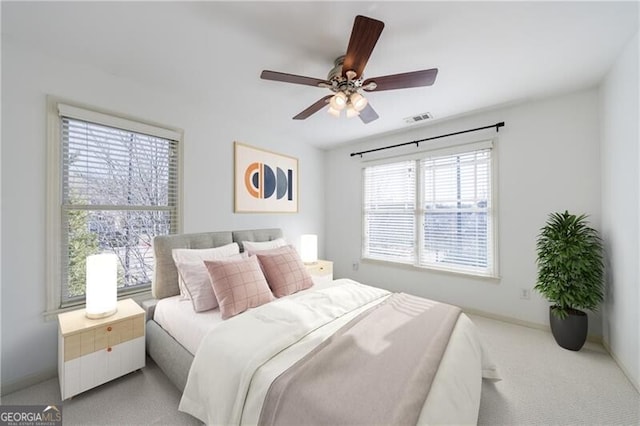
x=109, y=329
x=108, y=349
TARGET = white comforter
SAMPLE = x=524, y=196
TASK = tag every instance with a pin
x=238, y=360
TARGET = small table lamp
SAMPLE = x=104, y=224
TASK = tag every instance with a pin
x=309, y=248
x=102, y=285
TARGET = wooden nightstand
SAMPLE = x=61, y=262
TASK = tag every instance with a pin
x=321, y=271
x=93, y=352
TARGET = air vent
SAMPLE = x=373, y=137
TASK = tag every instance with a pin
x=419, y=117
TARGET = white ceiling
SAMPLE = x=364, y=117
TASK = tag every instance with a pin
x=488, y=53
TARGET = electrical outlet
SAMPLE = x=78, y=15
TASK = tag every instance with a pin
x=525, y=294
x=355, y=266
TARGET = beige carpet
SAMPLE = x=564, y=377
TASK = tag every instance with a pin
x=144, y=397
x=542, y=384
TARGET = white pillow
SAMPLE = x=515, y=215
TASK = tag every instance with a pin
x=199, y=255
x=194, y=279
x=256, y=246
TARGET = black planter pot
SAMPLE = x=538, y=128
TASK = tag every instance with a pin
x=571, y=332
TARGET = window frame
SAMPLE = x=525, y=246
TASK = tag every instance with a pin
x=398, y=259
x=54, y=188
x=439, y=150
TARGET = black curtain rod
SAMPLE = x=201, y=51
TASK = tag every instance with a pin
x=497, y=126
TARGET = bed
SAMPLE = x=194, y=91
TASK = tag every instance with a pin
x=235, y=387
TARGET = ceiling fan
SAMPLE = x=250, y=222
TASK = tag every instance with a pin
x=346, y=78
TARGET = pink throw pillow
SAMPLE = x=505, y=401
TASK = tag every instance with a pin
x=238, y=285
x=285, y=272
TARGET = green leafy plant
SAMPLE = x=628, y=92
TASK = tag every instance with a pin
x=570, y=267
x=82, y=243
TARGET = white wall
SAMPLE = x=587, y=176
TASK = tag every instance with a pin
x=548, y=161
x=620, y=209
x=28, y=342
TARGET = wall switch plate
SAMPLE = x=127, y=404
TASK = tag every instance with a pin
x=355, y=266
x=525, y=293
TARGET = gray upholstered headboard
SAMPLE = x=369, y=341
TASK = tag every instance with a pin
x=165, y=274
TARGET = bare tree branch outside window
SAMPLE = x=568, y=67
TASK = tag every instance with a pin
x=119, y=191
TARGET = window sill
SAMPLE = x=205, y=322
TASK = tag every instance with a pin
x=137, y=296
x=409, y=266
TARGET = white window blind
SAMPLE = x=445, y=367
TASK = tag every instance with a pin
x=433, y=211
x=389, y=211
x=119, y=190
x=456, y=212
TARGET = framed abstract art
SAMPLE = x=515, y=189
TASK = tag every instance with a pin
x=264, y=181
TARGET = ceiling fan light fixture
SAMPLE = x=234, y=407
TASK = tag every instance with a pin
x=358, y=101
x=345, y=80
x=333, y=111
x=338, y=101
x=352, y=112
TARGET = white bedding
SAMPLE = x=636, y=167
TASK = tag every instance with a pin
x=179, y=319
x=176, y=316
x=229, y=377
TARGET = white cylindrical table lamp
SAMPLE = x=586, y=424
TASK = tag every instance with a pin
x=309, y=248
x=102, y=285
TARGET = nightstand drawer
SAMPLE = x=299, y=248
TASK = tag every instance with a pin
x=72, y=347
x=320, y=268
x=102, y=337
x=321, y=272
x=86, y=372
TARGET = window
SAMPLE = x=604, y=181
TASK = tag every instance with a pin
x=117, y=187
x=433, y=211
x=390, y=211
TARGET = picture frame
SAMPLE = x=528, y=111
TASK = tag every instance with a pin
x=264, y=181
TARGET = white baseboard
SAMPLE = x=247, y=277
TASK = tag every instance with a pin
x=621, y=365
x=590, y=338
x=544, y=327
x=30, y=380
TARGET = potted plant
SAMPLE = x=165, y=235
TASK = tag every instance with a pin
x=570, y=273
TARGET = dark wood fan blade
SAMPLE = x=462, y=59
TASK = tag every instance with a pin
x=368, y=114
x=402, y=81
x=313, y=108
x=291, y=78
x=364, y=36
